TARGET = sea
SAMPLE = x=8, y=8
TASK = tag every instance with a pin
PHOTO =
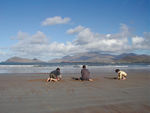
x=69, y=68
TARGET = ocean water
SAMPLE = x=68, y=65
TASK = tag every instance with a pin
x=70, y=68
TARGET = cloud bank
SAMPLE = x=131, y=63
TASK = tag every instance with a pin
x=38, y=45
x=90, y=41
x=142, y=43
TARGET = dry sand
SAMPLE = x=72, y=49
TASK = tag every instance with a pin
x=30, y=93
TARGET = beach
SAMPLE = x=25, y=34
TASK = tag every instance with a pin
x=30, y=93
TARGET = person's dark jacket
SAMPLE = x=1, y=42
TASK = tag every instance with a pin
x=56, y=72
x=85, y=74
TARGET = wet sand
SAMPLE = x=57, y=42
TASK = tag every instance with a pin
x=30, y=93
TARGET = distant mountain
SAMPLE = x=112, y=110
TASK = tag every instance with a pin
x=133, y=58
x=105, y=58
x=125, y=55
x=87, y=57
x=22, y=60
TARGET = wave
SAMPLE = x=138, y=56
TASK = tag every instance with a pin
x=16, y=66
x=121, y=66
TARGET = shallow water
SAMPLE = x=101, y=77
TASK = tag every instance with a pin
x=70, y=69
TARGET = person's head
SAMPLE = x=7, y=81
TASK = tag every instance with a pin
x=58, y=69
x=117, y=70
x=84, y=66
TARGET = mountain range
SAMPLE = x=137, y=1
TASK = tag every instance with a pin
x=23, y=60
x=89, y=57
x=105, y=58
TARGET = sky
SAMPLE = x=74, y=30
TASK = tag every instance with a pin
x=48, y=29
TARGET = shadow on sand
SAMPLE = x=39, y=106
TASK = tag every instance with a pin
x=114, y=78
x=75, y=78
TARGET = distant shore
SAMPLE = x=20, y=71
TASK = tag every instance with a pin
x=30, y=93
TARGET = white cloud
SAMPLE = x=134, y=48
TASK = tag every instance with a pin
x=124, y=30
x=141, y=42
x=38, y=38
x=20, y=36
x=89, y=41
x=147, y=39
x=108, y=35
x=137, y=40
x=75, y=30
x=30, y=45
x=38, y=45
x=85, y=36
x=55, y=20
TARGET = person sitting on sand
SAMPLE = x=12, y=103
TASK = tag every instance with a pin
x=85, y=75
x=55, y=75
x=121, y=74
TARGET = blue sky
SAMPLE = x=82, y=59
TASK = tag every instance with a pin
x=48, y=29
